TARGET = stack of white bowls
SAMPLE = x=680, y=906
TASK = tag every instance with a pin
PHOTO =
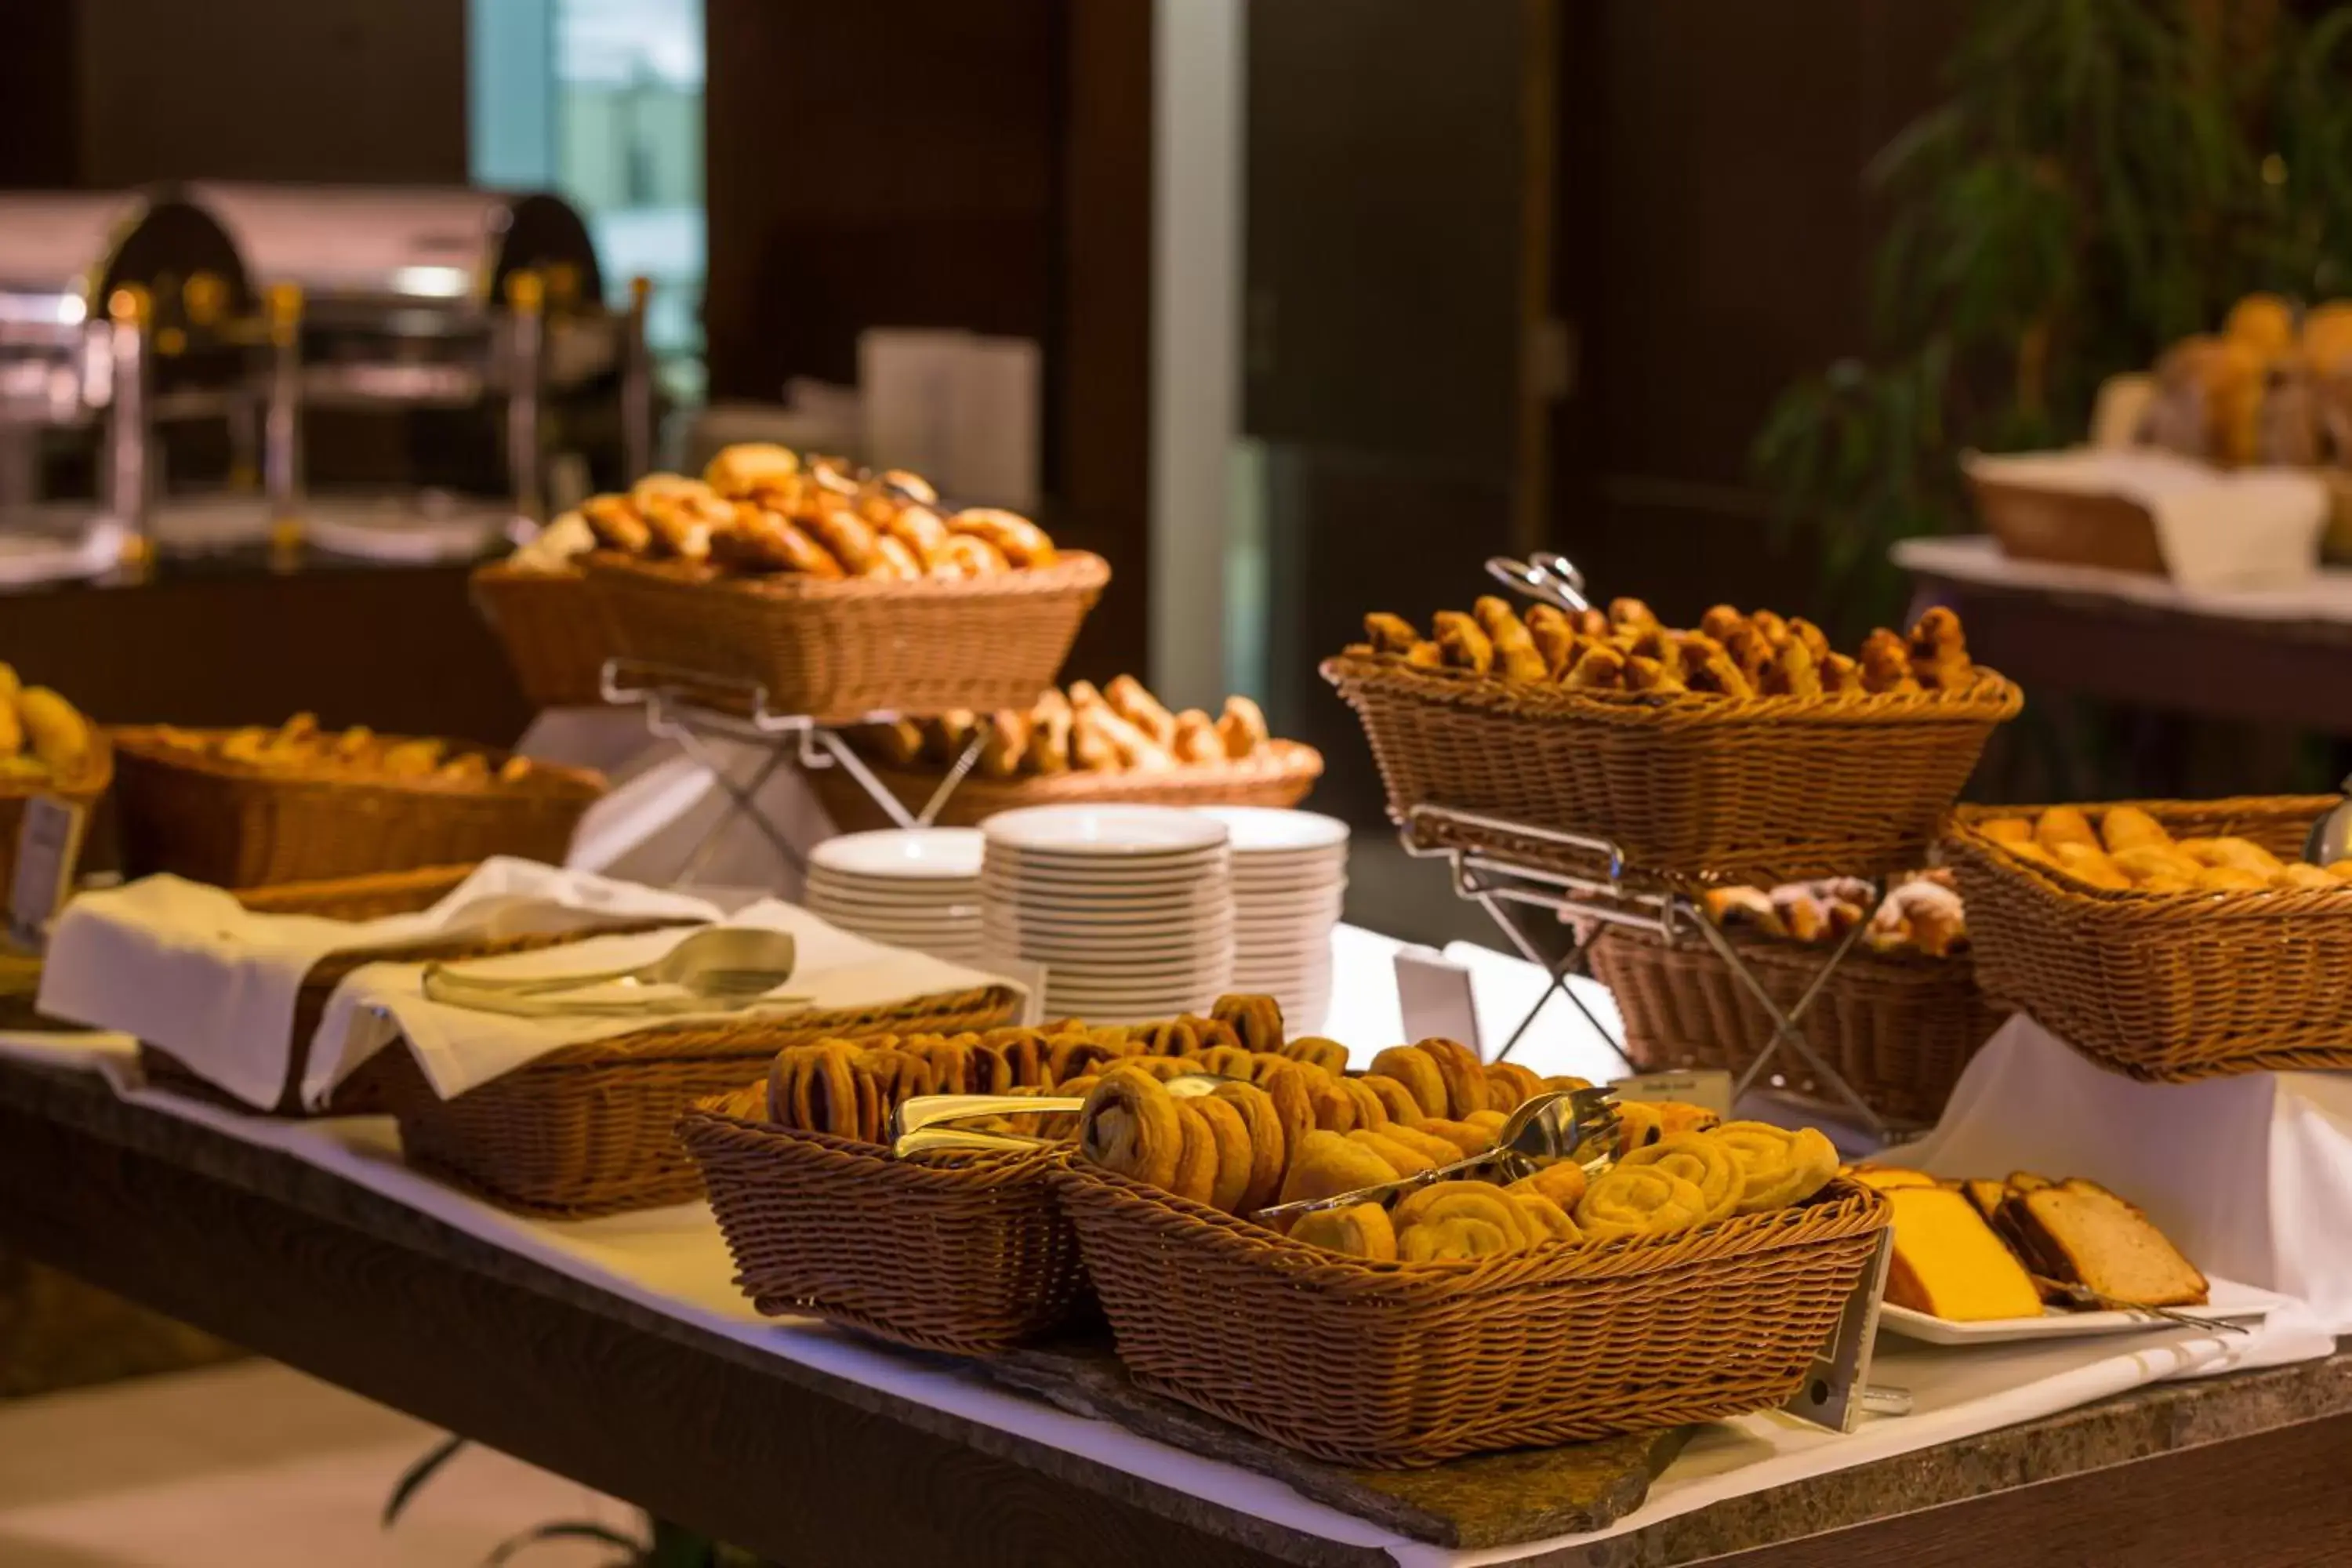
x=1128, y=908
x=1290, y=875
x=912, y=886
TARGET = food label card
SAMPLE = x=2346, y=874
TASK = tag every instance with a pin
x=48, y=841
x=1700, y=1087
x=1433, y=998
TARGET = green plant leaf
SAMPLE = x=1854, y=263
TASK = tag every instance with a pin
x=418, y=1474
x=566, y=1530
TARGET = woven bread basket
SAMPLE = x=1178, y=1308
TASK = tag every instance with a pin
x=1393, y=1365
x=554, y=636
x=969, y=1254
x=2169, y=988
x=1764, y=790
x=841, y=650
x=1898, y=1027
x=1280, y=775
x=355, y=898
x=82, y=788
x=593, y=1129
x=217, y=821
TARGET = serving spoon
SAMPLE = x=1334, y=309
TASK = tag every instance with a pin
x=720, y=966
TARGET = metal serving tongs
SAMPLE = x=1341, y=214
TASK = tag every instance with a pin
x=2084, y=1296
x=1546, y=575
x=1563, y=1124
x=924, y=1124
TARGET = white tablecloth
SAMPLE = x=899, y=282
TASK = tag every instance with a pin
x=1977, y=558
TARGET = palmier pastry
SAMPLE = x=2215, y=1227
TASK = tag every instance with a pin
x=1417, y=1072
x=967, y=555
x=1268, y=1145
x=848, y=537
x=1327, y=1164
x=1171, y=1037
x=1544, y=1220
x=1197, y=740
x=1396, y=1099
x=1230, y=1138
x=1316, y=1051
x=1778, y=1167
x=1362, y=1230
x=1129, y=1124
x=1225, y=1061
x=1197, y=1154
x=1285, y=1082
x=617, y=525
x=1562, y=1180
x=1451, y=1240
x=1704, y=1162
x=1469, y=1138
x=1334, y=1108
x=1421, y=1140
x=1255, y=1018
x=1463, y=641
x=821, y=1087
x=1464, y=1075
x=1013, y=537
x=1242, y=727
x=1510, y=1085
x=1638, y=1200
x=1023, y=1050
x=1370, y=1112
x=739, y=470
x=899, y=1076
x=1401, y=1157
x=1131, y=702
x=1072, y=1054
x=1460, y=1200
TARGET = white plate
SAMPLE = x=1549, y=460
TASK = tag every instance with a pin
x=903, y=853
x=1097, y=831
x=1264, y=830
x=2226, y=1300
x=1109, y=877
x=1111, y=912
x=1155, y=965
x=932, y=895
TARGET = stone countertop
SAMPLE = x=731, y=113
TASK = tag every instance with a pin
x=2139, y=1424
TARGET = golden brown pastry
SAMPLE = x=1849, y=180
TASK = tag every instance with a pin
x=1013, y=538
x=1599, y=668
x=1255, y=1019
x=845, y=536
x=1389, y=634
x=1517, y=656
x=1509, y=1084
x=1652, y=675
x=738, y=470
x=1887, y=664
x=760, y=542
x=1314, y=1049
x=1563, y=1182
x=1197, y=741
x=1286, y=1084
x=1704, y=1160
x=617, y=525
x=1266, y=1141
x=1466, y=1137
x=1789, y=671
x=1327, y=1164
x=1841, y=676
x=920, y=530
x=963, y=555
x=1463, y=641
x=2063, y=825
x=1939, y=652
x=1543, y=1220
x=55, y=734
x=1401, y=1157
x=1631, y=612
x=1131, y=1125
x=1778, y=1167
x=1707, y=667
x=2125, y=827
x=1242, y=727
x=1479, y=1201
x=1638, y=1200
x=1362, y=1231
x=1418, y=1073
x=1555, y=638
x=1131, y=702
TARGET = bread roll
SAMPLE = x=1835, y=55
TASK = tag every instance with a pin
x=1019, y=540
x=1242, y=727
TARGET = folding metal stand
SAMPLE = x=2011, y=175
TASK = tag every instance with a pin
x=1504, y=889
x=695, y=710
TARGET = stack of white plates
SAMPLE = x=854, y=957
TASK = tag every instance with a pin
x=1128, y=908
x=915, y=887
x=1291, y=872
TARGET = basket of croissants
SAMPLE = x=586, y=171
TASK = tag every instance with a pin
x=2168, y=940
x=840, y=593
x=1693, y=1278
x=1744, y=750
x=1897, y=1019
x=537, y=602
x=1117, y=742
x=245, y=808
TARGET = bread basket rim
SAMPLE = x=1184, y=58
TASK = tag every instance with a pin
x=1964, y=834
x=549, y=780
x=1071, y=569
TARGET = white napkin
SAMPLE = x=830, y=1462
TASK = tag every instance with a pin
x=2216, y=528
x=189, y=969
x=458, y=1048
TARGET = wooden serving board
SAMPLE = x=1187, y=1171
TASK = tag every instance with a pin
x=1484, y=1500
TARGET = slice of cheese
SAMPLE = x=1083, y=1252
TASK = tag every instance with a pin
x=1948, y=1263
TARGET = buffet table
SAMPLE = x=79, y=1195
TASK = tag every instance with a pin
x=882, y=1456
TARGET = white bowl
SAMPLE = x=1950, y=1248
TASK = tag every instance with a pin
x=900, y=854
x=1103, y=831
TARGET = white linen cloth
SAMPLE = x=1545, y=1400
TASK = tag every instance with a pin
x=2216, y=528
x=192, y=972
x=1975, y=558
x=459, y=1047
x=673, y=1262
x=2251, y=1176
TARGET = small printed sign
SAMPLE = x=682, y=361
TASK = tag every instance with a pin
x=1700, y=1087
x=49, y=842
x=1433, y=998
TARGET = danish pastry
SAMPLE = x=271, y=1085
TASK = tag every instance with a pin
x=1129, y=1125
x=1638, y=1200
x=1447, y=1240
x=1778, y=1167
x=1363, y=1231
x=1254, y=1019
x=1315, y=1050
x=1708, y=1163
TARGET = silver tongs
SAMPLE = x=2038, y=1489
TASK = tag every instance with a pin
x=1546, y=575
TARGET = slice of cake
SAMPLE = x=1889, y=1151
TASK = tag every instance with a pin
x=1985, y=1196
x=2092, y=1237
x=1948, y=1263
x=1886, y=1178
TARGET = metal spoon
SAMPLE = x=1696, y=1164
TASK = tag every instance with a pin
x=2084, y=1296
x=917, y=1125
x=730, y=965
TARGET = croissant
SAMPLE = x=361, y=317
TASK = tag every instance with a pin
x=1939, y=651
x=1841, y=676
x=846, y=536
x=1389, y=634
x=1554, y=636
x=1707, y=667
x=1463, y=641
x=1791, y=671
x=1600, y=667
x=1242, y=727
x=1886, y=663
x=1049, y=735
x=1131, y=702
x=1651, y=675
x=961, y=555
x=1631, y=612
x=895, y=559
x=1004, y=744
x=1515, y=654
x=617, y=525
x=738, y=470
x=1013, y=538
x=2122, y=827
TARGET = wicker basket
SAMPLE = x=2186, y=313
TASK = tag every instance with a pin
x=1280, y=775
x=555, y=638
x=216, y=821
x=593, y=1129
x=970, y=1255
x=354, y=898
x=1763, y=790
x=2169, y=988
x=1898, y=1027
x=83, y=788
x=838, y=650
x=2076, y=528
x=1399, y=1364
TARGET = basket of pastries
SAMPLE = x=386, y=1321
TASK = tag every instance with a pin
x=355, y=898
x=1117, y=743
x=1693, y=1277
x=537, y=601
x=840, y=593
x=594, y=1127
x=242, y=808
x=46, y=747
x=1747, y=749
x=1898, y=1019
x=1983, y=1251
x=2168, y=940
